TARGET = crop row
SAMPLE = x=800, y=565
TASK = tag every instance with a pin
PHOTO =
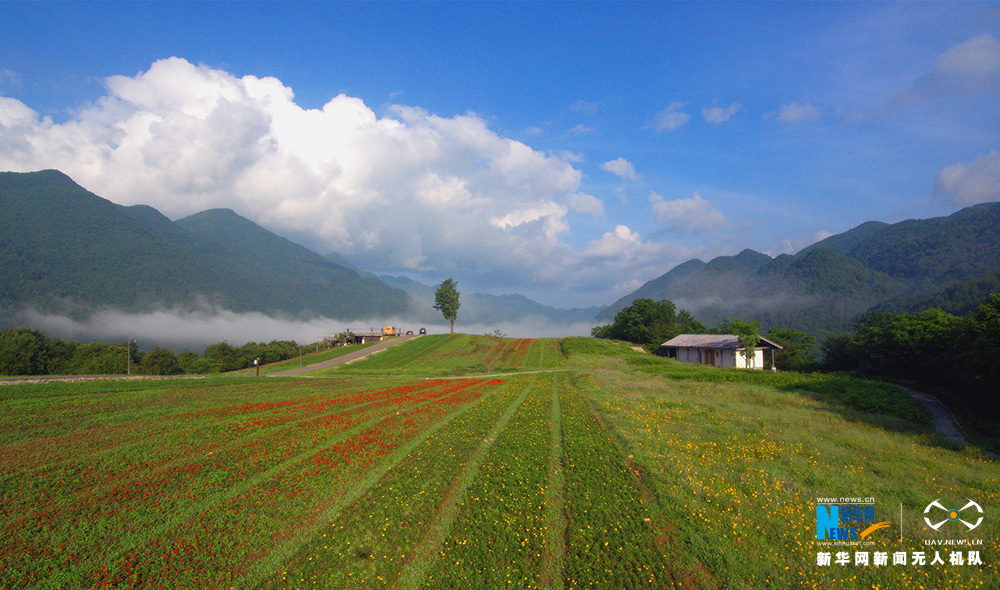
x=500, y=536
x=368, y=544
x=544, y=353
x=737, y=469
x=507, y=354
x=47, y=432
x=202, y=520
x=117, y=474
x=422, y=353
x=551, y=502
x=615, y=536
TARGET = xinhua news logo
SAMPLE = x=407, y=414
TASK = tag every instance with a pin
x=846, y=519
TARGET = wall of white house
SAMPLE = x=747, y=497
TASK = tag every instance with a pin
x=723, y=358
x=757, y=362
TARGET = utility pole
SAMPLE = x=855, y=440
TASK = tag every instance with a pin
x=128, y=356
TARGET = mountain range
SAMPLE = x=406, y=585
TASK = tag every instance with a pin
x=65, y=250
x=946, y=262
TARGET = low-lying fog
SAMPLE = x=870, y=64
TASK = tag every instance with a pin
x=179, y=329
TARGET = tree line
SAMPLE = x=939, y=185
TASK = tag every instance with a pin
x=955, y=357
x=651, y=323
x=29, y=352
x=952, y=356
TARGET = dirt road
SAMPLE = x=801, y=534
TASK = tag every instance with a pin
x=351, y=356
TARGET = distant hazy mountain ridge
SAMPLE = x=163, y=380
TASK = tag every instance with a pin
x=64, y=250
x=901, y=267
x=489, y=310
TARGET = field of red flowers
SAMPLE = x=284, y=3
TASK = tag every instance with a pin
x=357, y=482
x=575, y=471
x=180, y=486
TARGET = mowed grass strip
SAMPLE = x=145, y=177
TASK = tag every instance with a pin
x=368, y=543
x=499, y=538
x=427, y=551
x=616, y=534
x=554, y=502
x=545, y=353
x=738, y=467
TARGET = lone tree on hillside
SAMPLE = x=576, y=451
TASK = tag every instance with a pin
x=649, y=323
x=748, y=334
x=446, y=301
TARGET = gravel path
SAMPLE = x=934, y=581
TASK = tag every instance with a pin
x=944, y=421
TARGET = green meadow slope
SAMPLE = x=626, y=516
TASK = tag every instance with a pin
x=462, y=354
x=460, y=461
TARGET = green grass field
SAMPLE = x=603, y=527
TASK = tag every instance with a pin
x=308, y=359
x=462, y=461
x=461, y=354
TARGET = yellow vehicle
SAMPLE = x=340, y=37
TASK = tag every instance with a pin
x=389, y=331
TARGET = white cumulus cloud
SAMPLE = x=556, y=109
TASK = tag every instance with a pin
x=970, y=67
x=672, y=117
x=719, y=115
x=622, y=168
x=965, y=184
x=403, y=190
x=614, y=244
x=795, y=112
x=622, y=248
x=693, y=215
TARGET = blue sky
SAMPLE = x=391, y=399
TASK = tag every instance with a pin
x=565, y=151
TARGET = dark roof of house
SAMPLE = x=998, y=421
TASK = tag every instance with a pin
x=723, y=341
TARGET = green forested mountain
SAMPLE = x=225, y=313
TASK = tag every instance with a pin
x=959, y=298
x=932, y=253
x=339, y=290
x=64, y=249
x=847, y=241
x=949, y=262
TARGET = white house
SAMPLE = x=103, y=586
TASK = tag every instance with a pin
x=717, y=350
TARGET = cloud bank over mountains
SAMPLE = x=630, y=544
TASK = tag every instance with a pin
x=400, y=190
x=405, y=191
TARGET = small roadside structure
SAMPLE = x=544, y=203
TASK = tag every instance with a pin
x=717, y=350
